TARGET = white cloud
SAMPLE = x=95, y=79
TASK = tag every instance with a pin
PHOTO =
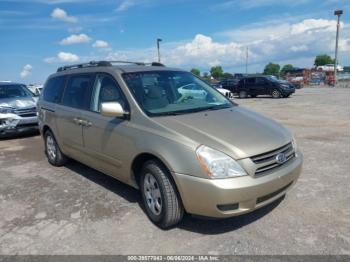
x=285, y=41
x=299, y=48
x=100, y=44
x=125, y=5
x=62, y=57
x=75, y=39
x=26, y=71
x=62, y=15
x=281, y=41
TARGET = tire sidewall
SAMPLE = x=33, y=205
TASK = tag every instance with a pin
x=51, y=161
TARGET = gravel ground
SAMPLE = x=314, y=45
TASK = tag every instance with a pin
x=76, y=210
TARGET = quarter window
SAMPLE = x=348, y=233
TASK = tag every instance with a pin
x=78, y=91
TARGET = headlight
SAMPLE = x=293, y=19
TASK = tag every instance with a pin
x=218, y=165
x=6, y=110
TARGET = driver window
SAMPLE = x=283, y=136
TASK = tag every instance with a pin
x=106, y=89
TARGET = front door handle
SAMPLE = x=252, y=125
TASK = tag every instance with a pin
x=86, y=123
x=77, y=121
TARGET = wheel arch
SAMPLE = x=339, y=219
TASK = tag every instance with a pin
x=138, y=163
x=140, y=159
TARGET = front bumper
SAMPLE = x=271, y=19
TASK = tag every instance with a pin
x=221, y=198
x=286, y=91
x=11, y=123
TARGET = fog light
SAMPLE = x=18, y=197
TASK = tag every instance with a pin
x=228, y=207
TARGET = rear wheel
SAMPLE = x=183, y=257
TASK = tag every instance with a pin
x=276, y=94
x=161, y=201
x=253, y=96
x=243, y=94
x=52, y=150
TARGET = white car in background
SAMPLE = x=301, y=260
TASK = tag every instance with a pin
x=35, y=89
x=192, y=90
x=223, y=91
x=330, y=67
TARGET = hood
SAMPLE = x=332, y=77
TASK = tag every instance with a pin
x=19, y=103
x=236, y=131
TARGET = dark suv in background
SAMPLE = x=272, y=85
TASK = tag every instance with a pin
x=264, y=85
x=231, y=83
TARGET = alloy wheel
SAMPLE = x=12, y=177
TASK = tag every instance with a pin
x=51, y=147
x=152, y=194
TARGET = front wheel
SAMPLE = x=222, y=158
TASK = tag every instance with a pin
x=161, y=201
x=52, y=150
x=276, y=93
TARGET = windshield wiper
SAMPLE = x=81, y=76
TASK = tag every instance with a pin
x=214, y=107
x=192, y=110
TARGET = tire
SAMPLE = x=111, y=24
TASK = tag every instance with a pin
x=253, y=96
x=52, y=150
x=160, y=198
x=242, y=94
x=276, y=93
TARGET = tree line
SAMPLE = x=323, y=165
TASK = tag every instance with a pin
x=275, y=69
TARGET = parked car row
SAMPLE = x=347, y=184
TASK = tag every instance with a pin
x=330, y=67
x=253, y=86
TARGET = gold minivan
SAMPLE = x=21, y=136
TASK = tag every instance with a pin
x=164, y=131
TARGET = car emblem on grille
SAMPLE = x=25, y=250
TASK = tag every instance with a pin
x=281, y=158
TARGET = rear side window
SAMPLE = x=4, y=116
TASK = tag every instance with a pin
x=250, y=80
x=53, y=89
x=260, y=80
x=78, y=91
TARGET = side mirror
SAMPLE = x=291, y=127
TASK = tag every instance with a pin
x=113, y=109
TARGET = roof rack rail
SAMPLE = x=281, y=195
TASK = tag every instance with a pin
x=89, y=64
x=105, y=63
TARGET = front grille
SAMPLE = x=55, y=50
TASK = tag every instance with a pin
x=28, y=112
x=273, y=194
x=27, y=125
x=267, y=162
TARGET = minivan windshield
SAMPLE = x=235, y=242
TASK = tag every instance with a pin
x=173, y=92
x=14, y=91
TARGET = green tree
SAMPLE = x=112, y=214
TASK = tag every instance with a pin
x=206, y=76
x=272, y=69
x=321, y=60
x=216, y=72
x=227, y=75
x=195, y=71
x=285, y=68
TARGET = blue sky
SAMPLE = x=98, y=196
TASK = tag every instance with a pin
x=37, y=36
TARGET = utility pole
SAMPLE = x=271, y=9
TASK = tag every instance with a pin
x=246, y=61
x=337, y=13
x=158, y=49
